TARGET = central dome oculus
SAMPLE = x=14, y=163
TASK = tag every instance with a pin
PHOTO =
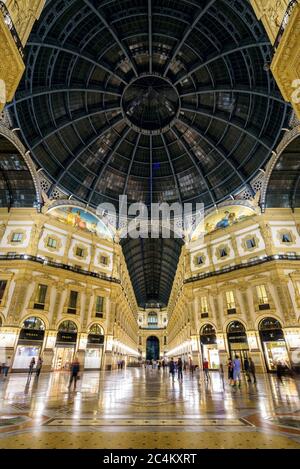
x=150, y=104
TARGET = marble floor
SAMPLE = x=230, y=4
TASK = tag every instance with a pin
x=138, y=408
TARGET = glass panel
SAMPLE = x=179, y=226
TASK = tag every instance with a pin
x=73, y=299
x=262, y=294
x=68, y=326
x=230, y=300
x=99, y=304
x=34, y=323
x=41, y=294
x=3, y=284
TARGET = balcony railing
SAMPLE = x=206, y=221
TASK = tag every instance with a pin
x=225, y=270
x=10, y=25
x=284, y=23
x=57, y=265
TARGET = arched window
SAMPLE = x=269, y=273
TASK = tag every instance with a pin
x=268, y=324
x=235, y=326
x=96, y=330
x=152, y=319
x=34, y=323
x=67, y=326
x=207, y=329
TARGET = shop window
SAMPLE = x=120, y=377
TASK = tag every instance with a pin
x=263, y=300
x=52, y=243
x=79, y=252
x=73, y=298
x=230, y=302
x=40, y=297
x=17, y=237
x=3, y=284
x=99, y=306
x=250, y=243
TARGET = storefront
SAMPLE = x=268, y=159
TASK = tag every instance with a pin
x=237, y=341
x=94, y=350
x=30, y=343
x=209, y=348
x=273, y=343
x=65, y=346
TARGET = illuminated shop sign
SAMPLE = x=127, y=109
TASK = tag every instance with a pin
x=69, y=337
x=96, y=339
x=29, y=334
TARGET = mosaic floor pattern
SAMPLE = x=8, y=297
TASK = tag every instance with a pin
x=138, y=408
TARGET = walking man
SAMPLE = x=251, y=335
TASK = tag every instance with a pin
x=31, y=366
x=172, y=368
x=39, y=367
x=75, y=368
x=205, y=369
x=247, y=369
x=236, y=371
x=179, y=369
x=252, y=369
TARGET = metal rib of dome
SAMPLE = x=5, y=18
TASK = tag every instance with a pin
x=162, y=100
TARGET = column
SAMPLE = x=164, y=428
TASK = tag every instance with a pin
x=18, y=299
x=57, y=305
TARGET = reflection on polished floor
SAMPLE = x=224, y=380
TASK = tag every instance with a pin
x=138, y=408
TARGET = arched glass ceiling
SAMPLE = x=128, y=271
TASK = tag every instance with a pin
x=161, y=100
x=17, y=188
x=152, y=265
x=284, y=184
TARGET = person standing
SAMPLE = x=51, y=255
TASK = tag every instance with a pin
x=39, y=367
x=179, y=369
x=236, y=371
x=75, y=368
x=230, y=371
x=6, y=366
x=205, y=369
x=247, y=369
x=221, y=372
x=252, y=369
x=279, y=371
x=172, y=368
x=31, y=366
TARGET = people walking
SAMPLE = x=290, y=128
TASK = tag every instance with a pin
x=206, y=369
x=236, y=371
x=252, y=369
x=31, y=366
x=279, y=371
x=230, y=371
x=247, y=369
x=221, y=372
x=75, y=368
x=39, y=367
x=6, y=366
x=172, y=368
x=179, y=369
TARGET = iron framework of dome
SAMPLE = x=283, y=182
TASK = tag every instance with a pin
x=161, y=100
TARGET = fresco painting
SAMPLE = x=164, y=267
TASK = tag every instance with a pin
x=82, y=220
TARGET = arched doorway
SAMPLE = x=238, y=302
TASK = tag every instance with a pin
x=30, y=342
x=94, y=350
x=237, y=340
x=273, y=343
x=152, y=348
x=209, y=348
x=65, y=345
